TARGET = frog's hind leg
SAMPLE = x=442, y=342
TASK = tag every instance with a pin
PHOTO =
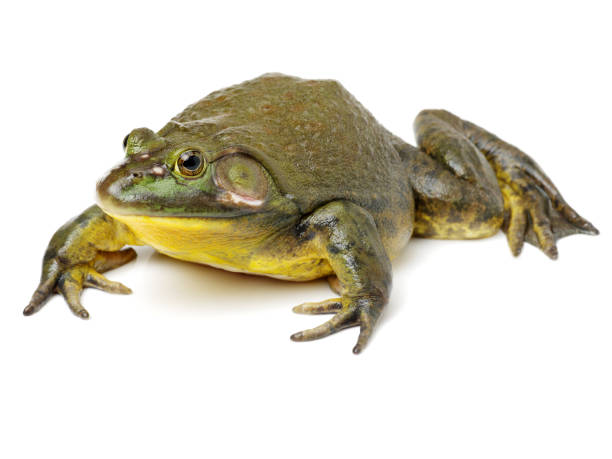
x=456, y=191
x=533, y=208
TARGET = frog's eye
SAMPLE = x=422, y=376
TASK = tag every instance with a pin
x=125, y=141
x=190, y=164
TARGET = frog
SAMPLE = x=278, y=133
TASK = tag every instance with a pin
x=295, y=179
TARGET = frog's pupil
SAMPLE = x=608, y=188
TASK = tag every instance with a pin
x=192, y=163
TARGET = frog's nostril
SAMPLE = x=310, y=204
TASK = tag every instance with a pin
x=157, y=170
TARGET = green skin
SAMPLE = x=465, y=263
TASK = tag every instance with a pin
x=320, y=176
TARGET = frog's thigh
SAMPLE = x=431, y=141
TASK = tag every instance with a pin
x=456, y=192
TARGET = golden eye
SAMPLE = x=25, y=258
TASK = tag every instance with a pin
x=191, y=163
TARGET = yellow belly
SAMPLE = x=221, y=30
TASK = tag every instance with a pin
x=233, y=244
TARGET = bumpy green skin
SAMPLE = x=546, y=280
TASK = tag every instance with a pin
x=338, y=190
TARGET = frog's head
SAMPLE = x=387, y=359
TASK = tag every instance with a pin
x=182, y=178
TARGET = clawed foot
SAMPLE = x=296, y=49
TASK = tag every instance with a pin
x=359, y=312
x=537, y=213
x=70, y=281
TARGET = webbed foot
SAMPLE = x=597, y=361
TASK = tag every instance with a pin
x=69, y=281
x=537, y=213
x=359, y=312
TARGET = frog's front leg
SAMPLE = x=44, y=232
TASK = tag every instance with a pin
x=534, y=210
x=345, y=235
x=77, y=254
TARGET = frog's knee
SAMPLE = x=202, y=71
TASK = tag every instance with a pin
x=430, y=112
x=429, y=115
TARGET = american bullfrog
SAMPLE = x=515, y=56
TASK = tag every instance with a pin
x=295, y=179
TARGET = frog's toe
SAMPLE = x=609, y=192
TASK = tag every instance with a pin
x=340, y=321
x=515, y=232
x=361, y=313
x=97, y=280
x=324, y=307
x=70, y=286
x=334, y=284
x=366, y=325
x=541, y=223
x=105, y=261
x=41, y=295
x=578, y=224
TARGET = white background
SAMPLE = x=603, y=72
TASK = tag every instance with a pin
x=478, y=355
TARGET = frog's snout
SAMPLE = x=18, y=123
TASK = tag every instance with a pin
x=119, y=185
x=128, y=174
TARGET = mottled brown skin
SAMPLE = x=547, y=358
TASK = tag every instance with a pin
x=299, y=181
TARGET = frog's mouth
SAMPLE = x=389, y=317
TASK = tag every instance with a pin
x=153, y=191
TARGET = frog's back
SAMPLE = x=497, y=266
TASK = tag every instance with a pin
x=320, y=143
